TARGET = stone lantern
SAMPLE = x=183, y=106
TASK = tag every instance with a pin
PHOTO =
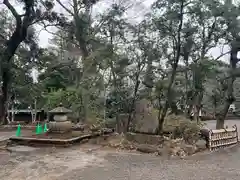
x=61, y=124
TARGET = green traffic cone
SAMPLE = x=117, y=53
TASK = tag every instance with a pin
x=18, y=133
x=40, y=129
x=37, y=129
x=45, y=129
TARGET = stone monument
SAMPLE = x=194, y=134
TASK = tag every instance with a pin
x=61, y=124
x=145, y=119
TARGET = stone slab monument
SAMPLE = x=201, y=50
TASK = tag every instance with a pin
x=145, y=119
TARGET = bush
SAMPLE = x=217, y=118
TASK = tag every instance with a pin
x=181, y=127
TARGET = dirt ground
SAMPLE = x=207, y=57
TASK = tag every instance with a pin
x=90, y=162
x=6, y=134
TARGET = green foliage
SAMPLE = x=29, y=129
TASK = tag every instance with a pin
x=181, y=127
x=104, y=63
x=70, y=98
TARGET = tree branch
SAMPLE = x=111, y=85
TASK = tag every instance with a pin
x=13, y=11
x=222, y=55
x=56, y=34
x=64, y=7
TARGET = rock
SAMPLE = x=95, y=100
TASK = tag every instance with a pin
x=181, y=153
x=204, y=133
x=145, y=148
x=174, y=151
x=201, y=144
x=189, y=149
x=144, y=138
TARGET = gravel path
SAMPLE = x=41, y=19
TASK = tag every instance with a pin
x=85, y=164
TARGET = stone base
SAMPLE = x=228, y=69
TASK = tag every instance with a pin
x=60, y=127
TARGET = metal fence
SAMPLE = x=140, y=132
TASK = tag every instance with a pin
x=221, y=138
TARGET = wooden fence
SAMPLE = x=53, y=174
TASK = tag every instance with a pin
x=221, y=138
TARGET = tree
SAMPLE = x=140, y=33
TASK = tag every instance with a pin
x=21, y=33
x=231, y=18
x=170, y=24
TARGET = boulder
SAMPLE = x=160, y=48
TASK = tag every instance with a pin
x=144, y=138
x=145, y=148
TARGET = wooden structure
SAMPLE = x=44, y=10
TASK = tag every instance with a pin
x=221, y=138
x=25, y=115
x=58, y=142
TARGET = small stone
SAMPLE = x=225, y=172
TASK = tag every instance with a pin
x=181, y=153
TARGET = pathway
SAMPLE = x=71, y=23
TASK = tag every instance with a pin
x=212, y=124
x=81, y=164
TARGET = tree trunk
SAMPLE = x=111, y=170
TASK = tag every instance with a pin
x=6, y=57
x=174, y=70
x=19, y=34
x=229, y=98
x=220, y=117
x=81, y=34
x=130, y=115
x=168, y=101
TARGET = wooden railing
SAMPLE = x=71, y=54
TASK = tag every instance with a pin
x=221, y=138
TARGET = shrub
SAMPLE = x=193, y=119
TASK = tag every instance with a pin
x=181, y=127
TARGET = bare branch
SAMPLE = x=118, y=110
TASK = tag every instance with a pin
x=223, y=54
x=57, y=35
x=64, y=7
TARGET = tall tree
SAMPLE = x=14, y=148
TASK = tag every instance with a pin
x=170, y=24
x=32, y=13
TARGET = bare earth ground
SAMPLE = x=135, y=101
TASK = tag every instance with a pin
x=88, y=162
x=83, y=164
